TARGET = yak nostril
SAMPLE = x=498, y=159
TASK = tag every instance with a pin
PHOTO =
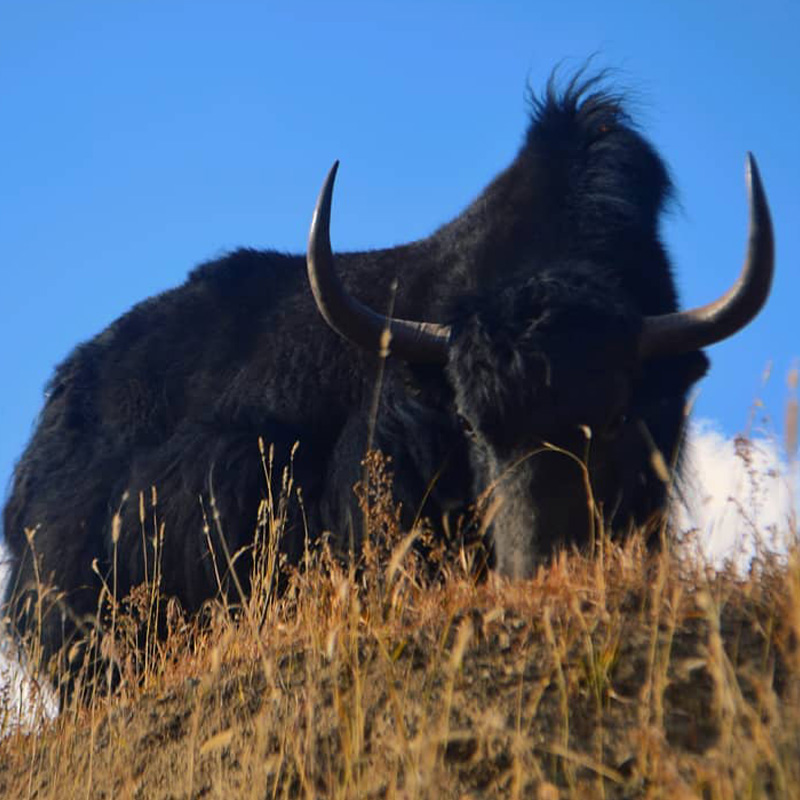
x=466, y=425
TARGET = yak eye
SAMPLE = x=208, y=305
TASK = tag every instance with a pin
x=614, y=428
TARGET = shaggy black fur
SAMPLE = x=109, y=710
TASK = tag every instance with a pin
x=546, y=277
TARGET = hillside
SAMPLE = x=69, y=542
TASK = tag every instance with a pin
x=613, y=674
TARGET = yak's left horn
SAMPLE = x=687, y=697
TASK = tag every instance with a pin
x=684, y=331
x=412, y=341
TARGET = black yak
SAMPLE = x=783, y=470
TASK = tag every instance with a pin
x=535, y=332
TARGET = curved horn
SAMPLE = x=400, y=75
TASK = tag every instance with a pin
x=413, y=341
x=683, y=331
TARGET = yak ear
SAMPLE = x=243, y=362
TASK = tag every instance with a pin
x=675, y=375
x=697, y=367
x=689, y=368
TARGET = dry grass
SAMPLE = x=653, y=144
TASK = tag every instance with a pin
x=617, y=674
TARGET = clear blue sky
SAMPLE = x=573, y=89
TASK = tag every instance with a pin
x=139, y=137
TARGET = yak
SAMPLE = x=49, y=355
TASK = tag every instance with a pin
x=534, y=348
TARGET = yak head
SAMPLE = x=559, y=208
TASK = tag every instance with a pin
x=565, y=426
x=571, y=400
